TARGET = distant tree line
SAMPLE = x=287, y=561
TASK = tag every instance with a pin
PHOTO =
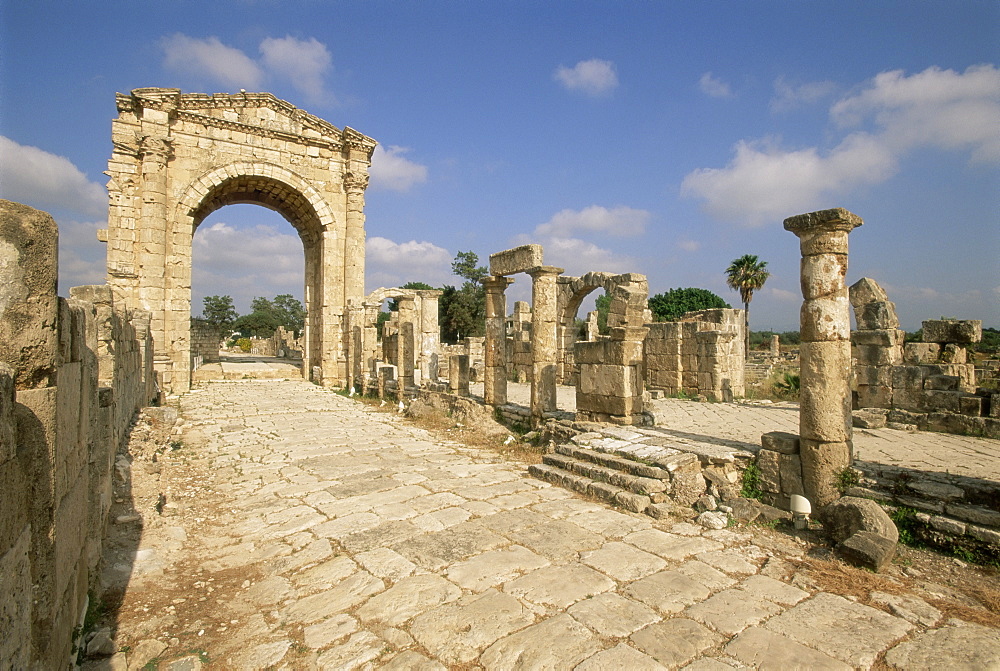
x=264, y=319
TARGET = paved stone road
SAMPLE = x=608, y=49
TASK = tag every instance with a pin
x=314, y=532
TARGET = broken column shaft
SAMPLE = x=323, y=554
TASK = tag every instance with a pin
x=825, y=350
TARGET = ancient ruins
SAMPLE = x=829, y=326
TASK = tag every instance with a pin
x=75, y=371
x=178, y=157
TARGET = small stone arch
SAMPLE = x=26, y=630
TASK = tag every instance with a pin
x=178, y=157
x=572, y=291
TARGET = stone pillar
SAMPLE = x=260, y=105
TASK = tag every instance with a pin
x=825, y=350
x=458, y=374
x=154, y=152
x=406, y=341
x=775, y=346
x=495, y=354
x=430, y=334
x=593, y=330
x=543, y=340
x=369, y=341
x=355, y=183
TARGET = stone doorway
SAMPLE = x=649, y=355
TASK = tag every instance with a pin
x=179, y=157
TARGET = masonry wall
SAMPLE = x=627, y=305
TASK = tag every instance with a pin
x=700, y=354
x=73, y=372
x=205, y=340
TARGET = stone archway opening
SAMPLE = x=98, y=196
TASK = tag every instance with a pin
x=291, y=207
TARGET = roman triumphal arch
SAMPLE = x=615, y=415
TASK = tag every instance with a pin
x=178, y=157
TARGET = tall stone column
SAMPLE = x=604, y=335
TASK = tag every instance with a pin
x=825, y=350
x=495, y=353
x=543, y=340
x=154, y=152
x=355, y=184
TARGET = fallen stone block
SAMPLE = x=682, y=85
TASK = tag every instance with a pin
x=867, y=550
x=848, y=515
x=869, y=418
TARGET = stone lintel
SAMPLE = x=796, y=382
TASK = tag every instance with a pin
x=836, y=219
x=516, y=260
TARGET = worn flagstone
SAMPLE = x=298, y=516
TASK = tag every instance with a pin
x=313, y=532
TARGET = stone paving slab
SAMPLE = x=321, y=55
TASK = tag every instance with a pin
x=335, y=536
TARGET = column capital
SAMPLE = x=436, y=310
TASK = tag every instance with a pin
x=493, y=283
x=544, y=271
x=823, y=221
x=355, y=182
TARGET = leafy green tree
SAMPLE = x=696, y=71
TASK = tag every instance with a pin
x=603, y=306
x=465, y=265
x=462, y=310
x=746, y=274
x=219, y=311
x=670, y=305
x=285, y=310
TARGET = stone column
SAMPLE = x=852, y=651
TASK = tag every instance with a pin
x=495, y=354
x=154, y=152
x=458, y=374
x=355, y=183
x=825, y=350
x=543, y=340
x=405, y=341
x=430, y=334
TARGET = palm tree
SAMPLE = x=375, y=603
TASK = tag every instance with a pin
x=746, y=274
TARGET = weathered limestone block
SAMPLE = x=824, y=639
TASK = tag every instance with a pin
x=769, y=464
x=780, y=441
x=825, y=399
x=878, y=338
x=821, y=462
x=877, y=315
x=517, y=260
x=952, y=331
x=29, y=310
x=790, y=470
x=866, y=290
x=825, y=318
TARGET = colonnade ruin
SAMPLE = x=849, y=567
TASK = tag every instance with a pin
x=75, y=371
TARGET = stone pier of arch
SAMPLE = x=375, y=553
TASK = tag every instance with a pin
x=178, y=157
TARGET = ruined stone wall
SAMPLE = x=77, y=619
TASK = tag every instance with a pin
x=72, y=375
x=700, y=354
x=929, y=384
x=205, y=339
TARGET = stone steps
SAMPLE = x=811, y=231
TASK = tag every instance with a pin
x=952, y=505
x=645, y=470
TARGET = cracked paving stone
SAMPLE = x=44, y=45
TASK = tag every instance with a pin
x=559, y=642
x=457, y=632
x=611, y=614
x=407, y=598
x=674, y=642
x=495, y=567
x=559, y=586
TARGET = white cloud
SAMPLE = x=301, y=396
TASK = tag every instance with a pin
x=714, y=87
x=684, y=244
x=82, y=257
x=935, y=108
x=620, y=221
x=764, y=183
x=260, y=260
x=391, y=171
x=390, y=264
x=788, y=97
x=579, y=257
x=304, y=62
x=35, y=177
x=211, y=59
x=784, y=295
x=594, y=78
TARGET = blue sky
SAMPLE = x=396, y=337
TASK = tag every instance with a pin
x=666, y=138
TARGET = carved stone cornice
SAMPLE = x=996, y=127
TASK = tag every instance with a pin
x=358, y=142
x=250, y=129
